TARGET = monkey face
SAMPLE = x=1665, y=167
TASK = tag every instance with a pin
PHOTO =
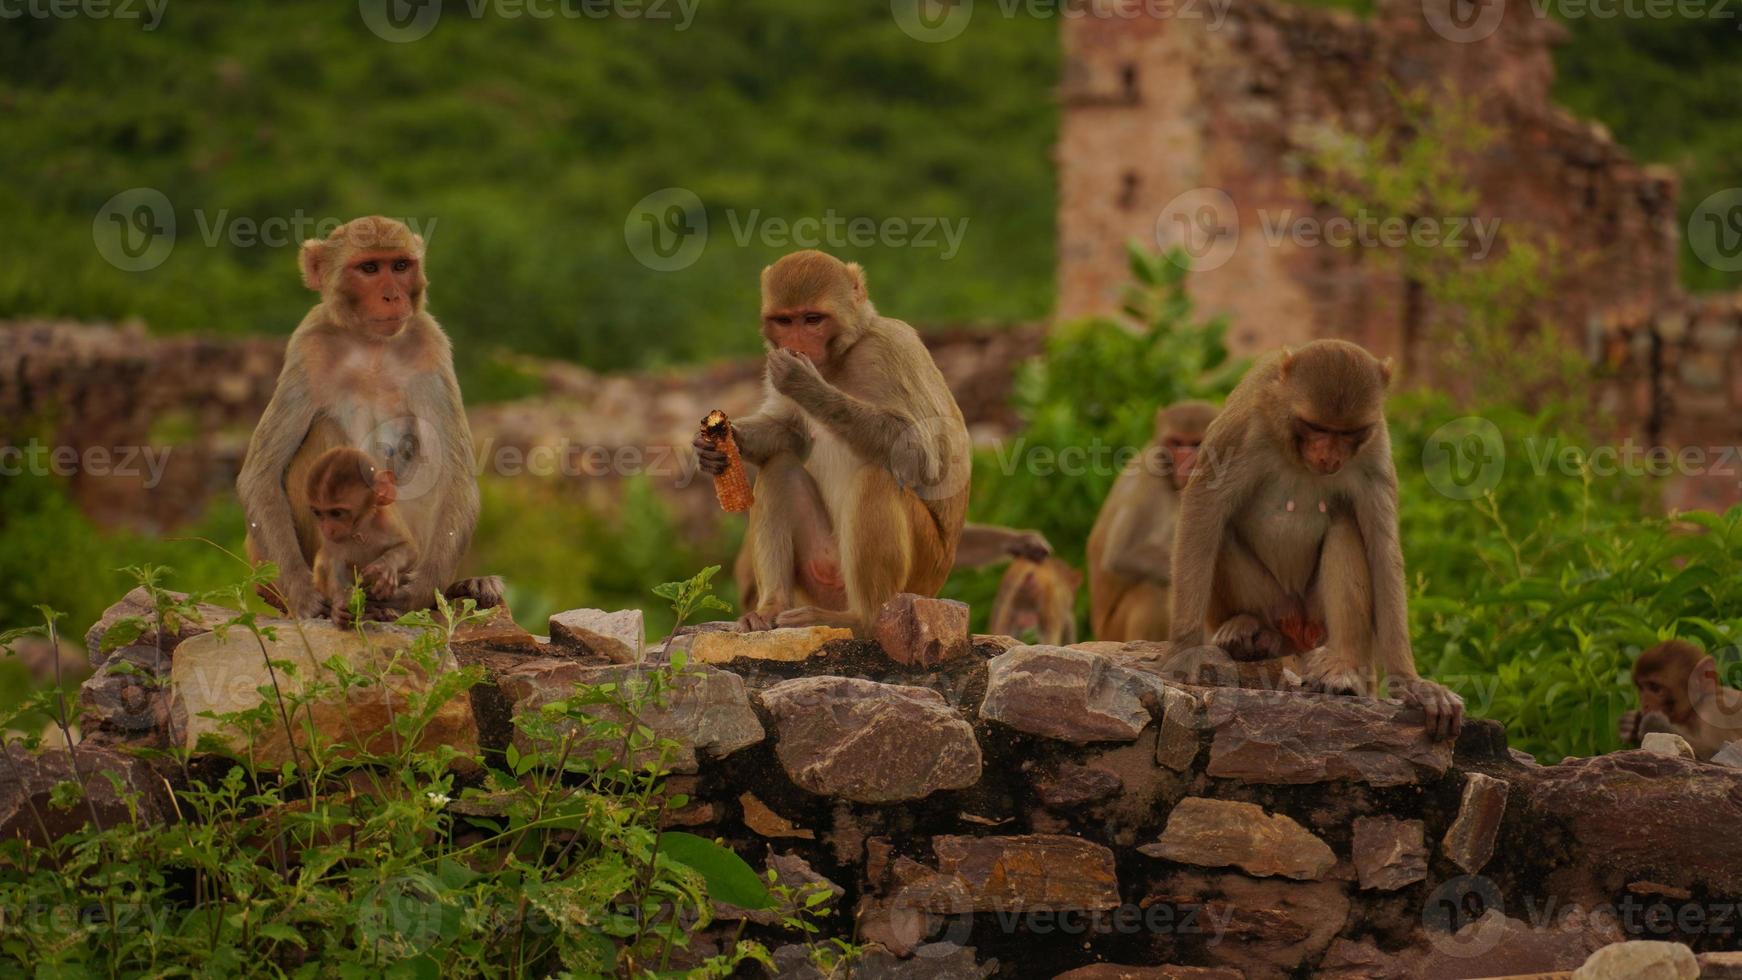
x=803, y=331
x=339, y=519
x=382, y=289
x=1182, y=457
x=1325, y=449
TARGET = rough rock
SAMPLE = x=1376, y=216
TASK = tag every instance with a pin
x=1493, y=945
x=1640, y=815
x=1720, y=966
x=1219, y=833
x=1389, y=853
x=1667, y=743
x=719, y=647
x=137, y=604
x=1031, y=872
x=868, y=742
x=1264, y=927
x=1349, y=959
x=1210, y=666
x=127, y=696
x=498, y=634
x=1069, y=694
x=1640, y=960
x=1177, y=743
x=1469, y=842
x=30, y=779
x=1729, y=755
x=932, y=961
x=706, y=711
x=1074, y=786
x=921, y=632
x=615, y=636
x=1114, y=971
x=1273, y=737
x=225, y=675
x=762, y=820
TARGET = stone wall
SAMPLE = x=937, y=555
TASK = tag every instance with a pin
x=983, y=808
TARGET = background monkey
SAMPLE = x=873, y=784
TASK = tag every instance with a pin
x=362, y=535
x=1130, y=554
x=1679, y=692
x=1288, y=529
x=1038, y=597
x=367, y=368
x=862, y=454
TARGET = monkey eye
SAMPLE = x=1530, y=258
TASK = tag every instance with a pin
x=812, y=319
x=400, y=265
x=369, y=268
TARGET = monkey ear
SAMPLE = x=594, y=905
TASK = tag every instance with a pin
x=1703, y=683
x=856, y=273
x=1287, y=363
x=386, y=488
x=1385, y=371
x=311, y=258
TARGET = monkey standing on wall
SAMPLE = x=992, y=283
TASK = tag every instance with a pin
x=862, y=455
x=1679, y=693
x=367, y=368
x=1287, y=535
x=1130, y=555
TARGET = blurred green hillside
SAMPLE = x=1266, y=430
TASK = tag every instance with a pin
x=522, y=147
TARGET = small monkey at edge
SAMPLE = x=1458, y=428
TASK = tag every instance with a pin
x=862, y=456
x=1287, y=538
x=363, y=538
x=1679, y=693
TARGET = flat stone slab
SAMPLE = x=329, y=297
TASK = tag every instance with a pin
x=615, y=636
x=1288, y=738
x=1030, y=872
x=706, y=711
x=1073, y=695
x=1221, y=833
x=788, y=645
x=1389, y=853
x=868, y=742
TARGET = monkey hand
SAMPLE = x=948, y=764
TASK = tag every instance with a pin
x=793, y=375
x=1443, y=711
x=1031, y=545
x=310, y=605
x=713, y=461
x=1628, y=729
x=380, y=581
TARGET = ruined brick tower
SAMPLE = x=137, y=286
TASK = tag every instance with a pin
x=1191, y=127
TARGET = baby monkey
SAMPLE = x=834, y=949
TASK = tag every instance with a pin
x=363, y=537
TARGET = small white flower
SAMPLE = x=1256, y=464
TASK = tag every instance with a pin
x=437, y=800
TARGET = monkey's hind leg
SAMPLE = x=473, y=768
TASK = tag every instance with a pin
x=876, y=538
x=782, y=489
x=1342, y=599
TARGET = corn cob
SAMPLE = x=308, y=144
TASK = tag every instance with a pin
x=732, y=486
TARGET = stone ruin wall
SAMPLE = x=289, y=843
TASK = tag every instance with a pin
x=1104, y=811
x=1157, y=107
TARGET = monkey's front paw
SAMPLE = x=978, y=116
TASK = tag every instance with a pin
x=1247, y=639
x=1443, y=711
x=1628, y=729
x=1031, y=545
x=380, y=581
x=793, y=375
x=311, y=606
x=485, y=591
x=1327, y=672
x=756, y=621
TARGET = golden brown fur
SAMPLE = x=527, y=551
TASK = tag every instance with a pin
x=1039, y=598
x=862, y=453
x=366, y=368
x=1679, y=693
x=1130, y=552
x=1287, y=537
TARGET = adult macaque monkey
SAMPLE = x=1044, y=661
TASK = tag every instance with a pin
x=862, y=455
x=367, y=368
x=1679, y=693
x=1130, y=554
x=1287, y=535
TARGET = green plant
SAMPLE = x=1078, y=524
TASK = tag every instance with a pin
x=371, y=857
